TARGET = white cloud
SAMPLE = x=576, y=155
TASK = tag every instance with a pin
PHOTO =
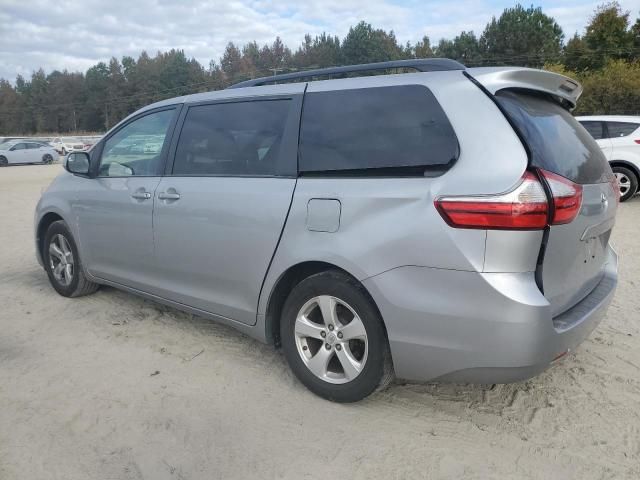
x=75, y=34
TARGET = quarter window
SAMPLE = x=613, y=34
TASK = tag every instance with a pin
x=136, y=148
x=230, y=139
x=399, y=129
x=621, y=129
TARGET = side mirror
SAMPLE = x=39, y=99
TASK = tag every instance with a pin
x=78, y=163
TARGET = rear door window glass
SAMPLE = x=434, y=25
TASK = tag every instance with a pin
x=621, y=129
x=398, y=129
x=557, y=142
x=232, y=139
x=594, y=128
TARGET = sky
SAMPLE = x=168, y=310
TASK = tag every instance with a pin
x=76, y=34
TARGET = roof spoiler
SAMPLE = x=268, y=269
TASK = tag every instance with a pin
x=564, y=89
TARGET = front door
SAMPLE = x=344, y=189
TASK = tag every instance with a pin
x=220, y=212
x=115, y=209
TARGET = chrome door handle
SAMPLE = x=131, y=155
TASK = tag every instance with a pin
x=168, y=196
x=141, y=195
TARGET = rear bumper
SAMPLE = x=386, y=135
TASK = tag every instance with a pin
x=456, y=326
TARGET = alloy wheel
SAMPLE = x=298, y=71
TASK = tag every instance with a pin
x=331, y=339
x=61, y=260
x=624, y=183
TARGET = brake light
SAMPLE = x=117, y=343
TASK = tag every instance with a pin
x=567, y=198
x=525, y=207
x=637, y=141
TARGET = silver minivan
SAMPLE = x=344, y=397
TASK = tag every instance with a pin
x=447, y=224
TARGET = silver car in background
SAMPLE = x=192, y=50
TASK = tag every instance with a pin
x=17, y=152
x=451, y=224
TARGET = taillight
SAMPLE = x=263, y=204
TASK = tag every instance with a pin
x=567, y=198
x=637, y=141
x=525, y=207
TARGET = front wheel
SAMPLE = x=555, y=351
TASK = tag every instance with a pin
x=47, y=159
x=62, y=263
x=3, y=161
x=64, y=152
x=627, y=182
x=333, y=338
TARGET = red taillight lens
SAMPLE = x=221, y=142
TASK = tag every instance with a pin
x=567, y=198
x=637, y=141
x=523, y=208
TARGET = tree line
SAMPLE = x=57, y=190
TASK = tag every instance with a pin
x=605, y=58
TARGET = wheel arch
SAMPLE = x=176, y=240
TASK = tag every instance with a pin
x=43, y=225
x=627, y=164
x=289, y=279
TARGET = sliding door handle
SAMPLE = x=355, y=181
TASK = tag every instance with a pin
x=169, y=196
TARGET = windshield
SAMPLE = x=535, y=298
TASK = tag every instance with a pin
x=71, y=140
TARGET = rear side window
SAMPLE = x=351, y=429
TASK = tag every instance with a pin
x=621, y=129
x=594, y=128
x=230, y=139
x=399, y=129
x=557, y=142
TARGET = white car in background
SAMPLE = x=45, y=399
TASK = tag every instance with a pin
x=619, y=138
x=64, y=145
x=22, y=151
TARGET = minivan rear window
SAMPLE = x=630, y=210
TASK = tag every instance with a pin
x=396, y=130
x=556, y=140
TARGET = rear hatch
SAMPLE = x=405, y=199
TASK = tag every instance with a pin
x=575, y=253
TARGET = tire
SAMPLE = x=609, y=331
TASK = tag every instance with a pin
x=47, y=159
x=3, y=161
x=68, y=282
x=64, y=152
x=627, y=181
x=306, y=335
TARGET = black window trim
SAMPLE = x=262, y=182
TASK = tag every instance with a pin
x=165, y=146
x=426, y=171
x=289, y=144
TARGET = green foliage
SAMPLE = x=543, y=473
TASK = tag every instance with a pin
x=522, y=36
x=364, y=44
x=464, y=48
x=612, y=90
x=608, y=35
x=604, y=59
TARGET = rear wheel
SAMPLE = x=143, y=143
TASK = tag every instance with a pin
x=62, y=263
x=333, y=338
x=627, y=182
x=3, y=161
x=47, y=158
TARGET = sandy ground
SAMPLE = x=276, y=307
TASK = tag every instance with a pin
x=79, y=398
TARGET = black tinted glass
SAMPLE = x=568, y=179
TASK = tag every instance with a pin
x=594, y=129
x=558, y=143
x=232, y=139
x=621, y=129
x=401, y=128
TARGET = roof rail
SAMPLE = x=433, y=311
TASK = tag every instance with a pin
x=420, y=64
